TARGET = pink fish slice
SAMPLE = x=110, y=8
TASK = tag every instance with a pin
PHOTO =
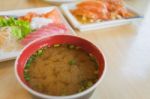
x=50, y=29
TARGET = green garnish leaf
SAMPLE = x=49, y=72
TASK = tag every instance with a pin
x=16, y=31
x=19, y=28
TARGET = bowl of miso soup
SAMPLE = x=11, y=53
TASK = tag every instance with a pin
x=60, y=67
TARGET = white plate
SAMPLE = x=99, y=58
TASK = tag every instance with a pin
x=90, y=26
x=12, y=55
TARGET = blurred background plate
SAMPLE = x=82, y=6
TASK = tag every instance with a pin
x=97, y=25
x=60, y=1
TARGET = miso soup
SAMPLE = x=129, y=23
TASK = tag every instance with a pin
x=61, y=69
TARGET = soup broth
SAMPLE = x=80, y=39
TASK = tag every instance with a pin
x=61, y=69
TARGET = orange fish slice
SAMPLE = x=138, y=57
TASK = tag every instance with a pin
x=85, y=13
x=97, y=6
x=54, y=15
x=93, y=9
x=28, y=17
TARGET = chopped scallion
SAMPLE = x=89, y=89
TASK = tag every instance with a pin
x=89, y=84
x=40, y=52
x=72, y=62
x=71, y=46
x=56, y=45
x=81, y=89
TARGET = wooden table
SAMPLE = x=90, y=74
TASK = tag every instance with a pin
x=127, y=53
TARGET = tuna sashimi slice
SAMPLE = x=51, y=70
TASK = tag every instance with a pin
x=50, y=29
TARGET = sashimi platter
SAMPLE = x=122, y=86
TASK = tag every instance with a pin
x=18, y=28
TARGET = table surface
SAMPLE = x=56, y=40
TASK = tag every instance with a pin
x=126, y=49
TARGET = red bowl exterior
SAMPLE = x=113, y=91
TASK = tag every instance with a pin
x=59, y=39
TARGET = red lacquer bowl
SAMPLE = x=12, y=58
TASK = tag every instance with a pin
x=59, y=39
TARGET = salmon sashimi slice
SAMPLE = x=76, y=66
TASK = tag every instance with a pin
x=89, y=11
x=50, y=29
x=54, y=15
x=92, y=9
x=96, y=6
x=117, y=6
x=85, y=13
x=28, y=17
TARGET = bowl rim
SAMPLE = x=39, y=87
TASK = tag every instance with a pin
x=76, y=95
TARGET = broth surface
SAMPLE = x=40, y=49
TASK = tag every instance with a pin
x=61, y=70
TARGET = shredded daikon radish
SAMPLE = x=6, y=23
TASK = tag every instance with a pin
x=7, y=41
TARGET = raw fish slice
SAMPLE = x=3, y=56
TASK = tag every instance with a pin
x=118, y=7
x=85, y=13
x=54, y=15
x=92, y=9
x=96, y=6
x=91, y=3
x=36, y=35
x=50, y=29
